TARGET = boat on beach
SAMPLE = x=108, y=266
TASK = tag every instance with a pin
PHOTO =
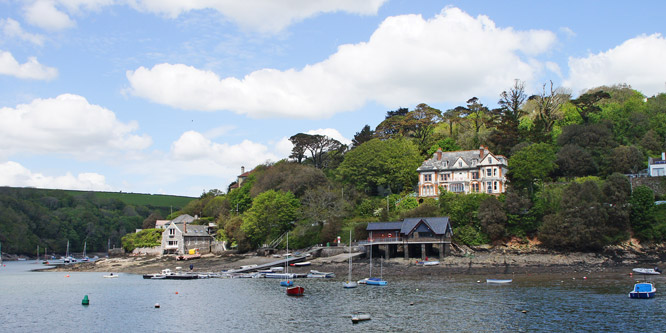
x=318, y=274
x=300, y=264
x=643, y=290
x=647, y=271
x=499, y=281
x=428, y=263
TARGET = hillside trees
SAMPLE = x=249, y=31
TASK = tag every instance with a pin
x=507, y=119
x=531, y=164
x=317, y=145
x=272, y=213
x=390, y=163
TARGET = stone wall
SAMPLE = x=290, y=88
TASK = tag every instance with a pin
x=657, y=184
x=151, y=251
x=218, y=247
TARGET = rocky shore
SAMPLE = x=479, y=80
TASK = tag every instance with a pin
x=481, y=261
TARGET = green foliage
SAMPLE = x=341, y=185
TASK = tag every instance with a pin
x=143, y=238
x=272, y=214
x=469, y=235
x=462, y=209
x=530, y=164
x=447, y=144
x=390, y=163
x=139, y=199
x=642, y=213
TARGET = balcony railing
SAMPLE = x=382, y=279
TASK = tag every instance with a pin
x=404, y=240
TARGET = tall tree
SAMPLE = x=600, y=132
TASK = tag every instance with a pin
x=366, y=134
x=507, y=116
x=532, y=163
x=546, y=110
x=477, y=115
x=586, y=104
x=317, y=145
x=272, y=214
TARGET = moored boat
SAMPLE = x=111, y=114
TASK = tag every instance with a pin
x=643, y=290
x=349, y=283
x=647, y=271
x=299, y=264
x=111, y=276
x=375, y=282
x=359, y=317
x=295, y=291
x=318, y=274
x=428, y=263
x=499, y=281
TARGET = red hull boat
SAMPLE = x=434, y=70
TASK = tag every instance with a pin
x=295, y=291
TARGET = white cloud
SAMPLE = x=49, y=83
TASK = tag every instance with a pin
x=260, y=15
x=11, y=28
x=31, y=69
x=331, y=133
x=638, y=62
x=194, y=146
x=44, y=14
x=14, y=174
x=407, y=60
x=568, y=32
x=67, y=124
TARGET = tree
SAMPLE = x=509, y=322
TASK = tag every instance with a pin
x=586, y=104
x=390, y=163
x=149, y=222
x=531, y=164
x=493, y=218
x=616, y=193
x=365, y=135
x=546, y=110
x=452, y=117
x=507, y=133
x=322, y=204
x=627, y=159
x=288, y=176
x=272, y=214
x=477, y=115
x=574, y=161
x=317, y=145
x=642, y=212
x=446, y=144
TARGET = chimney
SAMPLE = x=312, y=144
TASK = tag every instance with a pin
x=242, y=170
x=481, y=152
x=439, y=154
x=184, y=227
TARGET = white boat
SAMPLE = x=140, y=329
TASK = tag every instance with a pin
x=304, y=263
x=248, y=266
x=499, y=281
x=318, y=274
x=355, y=318
x=349, y=283
x=428, y=263
x=287, y=280
x=111, y=276
x=647, y=271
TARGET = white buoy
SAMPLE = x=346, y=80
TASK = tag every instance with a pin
x=157, y=305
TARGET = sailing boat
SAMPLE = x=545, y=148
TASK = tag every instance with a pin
x=293, y=290
x=85, y=257
x=287, y=282
x=372, y=280
x=350, y=283
x=68, y=257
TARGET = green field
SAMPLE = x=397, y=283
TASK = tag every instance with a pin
x=140, y=199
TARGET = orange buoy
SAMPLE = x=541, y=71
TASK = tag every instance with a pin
x=67, y=275
x=176, y=293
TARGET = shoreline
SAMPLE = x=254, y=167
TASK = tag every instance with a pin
x=486, y=262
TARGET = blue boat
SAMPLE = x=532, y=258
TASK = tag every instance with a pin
x=643, y=290
x=375, y=282
x=287, y=283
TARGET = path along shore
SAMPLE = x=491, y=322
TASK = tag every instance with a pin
x=480, y=262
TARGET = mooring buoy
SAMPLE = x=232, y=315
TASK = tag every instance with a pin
x=157, y=305
x=85, y=300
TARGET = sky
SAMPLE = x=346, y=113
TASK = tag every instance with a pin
x=174, y=97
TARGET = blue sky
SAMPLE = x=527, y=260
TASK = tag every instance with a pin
x=173, y=97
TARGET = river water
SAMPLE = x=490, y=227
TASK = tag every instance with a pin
x=51, y=302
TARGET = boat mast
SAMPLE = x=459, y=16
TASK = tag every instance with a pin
x=350, y=256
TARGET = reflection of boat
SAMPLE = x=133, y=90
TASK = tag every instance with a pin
x=498, y=281
x=643, y=290
x=355, y=318
x=428, y=263
x=647, y=271
x=349, y=283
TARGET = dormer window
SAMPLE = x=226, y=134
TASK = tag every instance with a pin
x=460, y=164
x=474, y=161
x=490, y=159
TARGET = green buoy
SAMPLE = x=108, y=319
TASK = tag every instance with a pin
x=85, y=300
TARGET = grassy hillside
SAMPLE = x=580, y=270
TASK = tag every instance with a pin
x=135, y=199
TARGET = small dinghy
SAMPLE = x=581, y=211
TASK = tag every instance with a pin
x=359, y=317
x=647, y=271
x=111, y=276
x=498, y=281
x=643, y=290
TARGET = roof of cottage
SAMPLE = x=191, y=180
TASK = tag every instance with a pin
x=183, y=218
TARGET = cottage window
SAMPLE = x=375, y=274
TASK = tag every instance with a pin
x=427, y=178
x=490, y=160
x=489, y=187
x=489, y=172
x=495, y=188
x=460, y=164
x=475, y=175
x=172, y=231
x=457, y=188
x=494, y=171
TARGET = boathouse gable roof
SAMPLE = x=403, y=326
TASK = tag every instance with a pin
x=438, y=225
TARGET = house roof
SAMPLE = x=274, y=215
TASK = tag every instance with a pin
x=439, y=225
x=449, y=159
x=384, y=226
x=183, y=218
x=195, y=230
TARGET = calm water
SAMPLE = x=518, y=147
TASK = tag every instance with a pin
x=51, y=302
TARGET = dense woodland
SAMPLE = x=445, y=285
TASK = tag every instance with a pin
x=567, y=186
x=567, y=164
x=49, y=218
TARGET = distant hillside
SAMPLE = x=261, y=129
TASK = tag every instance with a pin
x=141, y=199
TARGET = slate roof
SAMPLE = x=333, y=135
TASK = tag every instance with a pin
x=183, y=218
x=439, y=225
x=195, y=230
x=449, y=159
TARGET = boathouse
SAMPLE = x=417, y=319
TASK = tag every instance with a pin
x=418, y=237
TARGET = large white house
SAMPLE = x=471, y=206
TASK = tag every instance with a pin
x=466, y=171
